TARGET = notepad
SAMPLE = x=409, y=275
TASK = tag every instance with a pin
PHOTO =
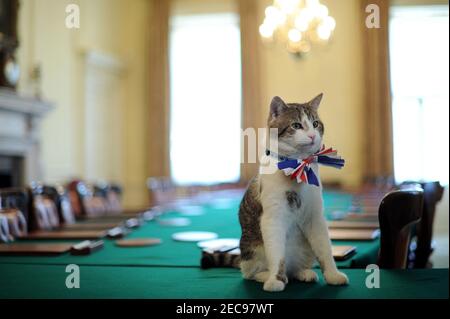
x=110, y=218
x=91, y=226
x=338, y=224
x=35, y=249
x=86, y=247
x=362, y=216
x=76, y=234
x=354, y=234
x=343, y=252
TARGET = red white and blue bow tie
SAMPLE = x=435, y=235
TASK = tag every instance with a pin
x=301, y=171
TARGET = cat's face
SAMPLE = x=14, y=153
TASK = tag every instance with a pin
x=300, y=129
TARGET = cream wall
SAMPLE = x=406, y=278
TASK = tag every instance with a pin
x=52, y=49
x=337, y=71
x=115, y=29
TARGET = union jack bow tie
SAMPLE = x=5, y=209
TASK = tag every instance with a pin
x=301, y=170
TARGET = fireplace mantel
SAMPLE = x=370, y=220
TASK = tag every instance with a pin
x=11, y=101
x=20, y=119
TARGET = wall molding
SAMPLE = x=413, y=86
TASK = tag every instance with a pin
x=103, y=60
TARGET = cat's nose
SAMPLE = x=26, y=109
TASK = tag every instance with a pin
x=312, y=137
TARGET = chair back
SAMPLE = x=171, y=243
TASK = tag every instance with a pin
x=43, y=213
x=60, y=196
x=111, y=195
x=163, y=192
x=14, y=213
x=433, y=192
x=398, y=212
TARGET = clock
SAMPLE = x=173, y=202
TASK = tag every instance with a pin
x=9, y=69
x=11, y=72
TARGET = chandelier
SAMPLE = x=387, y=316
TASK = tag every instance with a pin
x=298, y=23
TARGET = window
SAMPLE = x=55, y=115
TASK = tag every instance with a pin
x=419, y=50
x=205, y=84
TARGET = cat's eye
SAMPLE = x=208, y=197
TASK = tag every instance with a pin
x=316, y=124
x=296, y=126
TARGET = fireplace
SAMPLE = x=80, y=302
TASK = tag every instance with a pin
x=11, y=171
x=20, y=145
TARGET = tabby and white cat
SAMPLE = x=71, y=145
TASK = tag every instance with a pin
x=283, y=227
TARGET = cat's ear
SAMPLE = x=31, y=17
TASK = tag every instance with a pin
x=277, y=106
x=315, y=102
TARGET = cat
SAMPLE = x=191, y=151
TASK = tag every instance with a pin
x=284, y=230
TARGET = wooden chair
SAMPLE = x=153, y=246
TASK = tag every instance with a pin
x=14, y=208
x=398, y=212
x=433, y=192
x=111, y=195
x=75, y=199
x=162, y=191
x=15, y=198
x=60, y=196
x=84, y=201
x=43, y=214
x=421, y=246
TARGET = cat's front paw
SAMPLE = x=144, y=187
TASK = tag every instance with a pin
x=307, y=275
x=335, y=278
x=273, y=285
